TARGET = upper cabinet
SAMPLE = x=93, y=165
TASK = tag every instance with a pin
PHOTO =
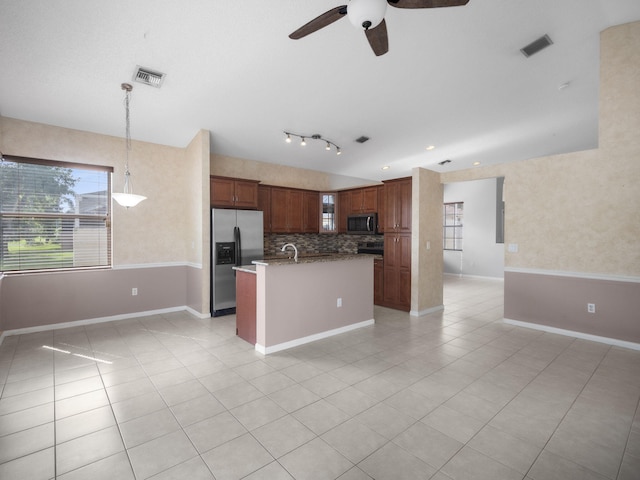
x=344, y=209
x=360, y=200
x=364, y=200
x=264, y=204
x=233, y=193
x=311, y=212
x=397, y=205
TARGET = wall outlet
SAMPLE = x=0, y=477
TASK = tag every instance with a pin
x=591, y=307
x=134, y=291
x=512, y=248
x=339, y=302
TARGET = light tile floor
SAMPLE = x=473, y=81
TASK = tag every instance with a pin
x=458, y=395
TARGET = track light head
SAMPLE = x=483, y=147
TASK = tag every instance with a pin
x=315, y=136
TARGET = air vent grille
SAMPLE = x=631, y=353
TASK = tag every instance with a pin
x=149, y=77
x=537, y=45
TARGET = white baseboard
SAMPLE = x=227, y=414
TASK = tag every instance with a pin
x=427, y=311
x=571, y=333
x=92, y=321
x=311, y=338
x=479, y=277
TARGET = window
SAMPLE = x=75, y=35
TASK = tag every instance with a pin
x=328, y=212
x=452, y=229
x=53, y=215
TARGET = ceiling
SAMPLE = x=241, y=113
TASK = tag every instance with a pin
x=453, y=78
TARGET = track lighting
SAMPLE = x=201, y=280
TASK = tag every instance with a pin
x=315, y=136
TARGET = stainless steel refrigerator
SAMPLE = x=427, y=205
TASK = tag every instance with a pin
x=237, y=238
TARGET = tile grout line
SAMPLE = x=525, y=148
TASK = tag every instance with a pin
x=624, y=451
x=568, y=410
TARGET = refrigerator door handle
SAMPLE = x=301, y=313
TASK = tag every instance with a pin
x=237, y=239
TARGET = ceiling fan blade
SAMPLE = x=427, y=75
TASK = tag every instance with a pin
x=426, y=3
x=378, y=39
x=327, y=18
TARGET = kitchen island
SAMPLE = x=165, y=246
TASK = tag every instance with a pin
x=299, y=302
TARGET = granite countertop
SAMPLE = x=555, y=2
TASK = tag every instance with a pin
x=310, y=258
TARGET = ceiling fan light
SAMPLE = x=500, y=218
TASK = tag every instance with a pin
x=366, y=13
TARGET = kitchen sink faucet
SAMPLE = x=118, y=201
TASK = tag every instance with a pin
x=295, y=250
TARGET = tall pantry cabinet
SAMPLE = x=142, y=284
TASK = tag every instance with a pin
x=397, y=244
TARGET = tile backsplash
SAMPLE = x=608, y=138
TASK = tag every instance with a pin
x=317, y=243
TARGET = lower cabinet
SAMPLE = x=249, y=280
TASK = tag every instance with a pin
x=378, y=282
x=246, y=306
x=397, y=271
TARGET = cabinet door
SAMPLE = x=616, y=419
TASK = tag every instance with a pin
x=311, y=212
x=397, y=271
x=344, y=207
x=279, y=210
x=391, y=195
x=246, y=194
x=398, y=205
x=222, y=192
x=381, y=208
x=356, y=201
x=404, y=205
x=369, y=199
x=296, y=211
x=378, y=282
x=404, y=251
x=264, y=204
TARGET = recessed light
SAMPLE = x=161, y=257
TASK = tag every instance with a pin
x=386, y=167
x=431, y=147
x=475, y=164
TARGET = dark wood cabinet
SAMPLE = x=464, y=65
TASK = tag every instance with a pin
x=378, y=281
x=311, y=212
x=287, y=210
x=264, y=204
x=344, y=208
x=246, y=306
x=397, y=271
x=364, y=200
x=397, y=210
x=233, y=193
x=381, y=208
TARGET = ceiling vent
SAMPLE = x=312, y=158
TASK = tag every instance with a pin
x=444, y=162
x=148, y=77
x=537, y=45
x=362, y=139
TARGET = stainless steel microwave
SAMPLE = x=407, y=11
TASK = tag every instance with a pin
x=363, y=224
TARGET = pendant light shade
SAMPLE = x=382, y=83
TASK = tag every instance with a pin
x=127, y=198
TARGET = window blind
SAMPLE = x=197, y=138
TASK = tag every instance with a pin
x=53, y=215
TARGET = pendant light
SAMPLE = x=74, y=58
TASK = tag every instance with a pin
x=127, y=198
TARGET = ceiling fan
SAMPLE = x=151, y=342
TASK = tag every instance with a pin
x=369, y=14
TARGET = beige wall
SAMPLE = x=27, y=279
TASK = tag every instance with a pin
x=151, y=242
x=282, y=176
x=580, y=212
x=426, y=242
x=576, y=217
x=153, y=231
